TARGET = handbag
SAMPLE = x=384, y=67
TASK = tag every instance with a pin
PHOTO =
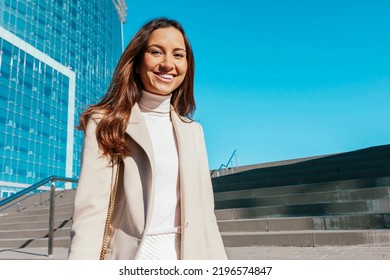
x=111, y=204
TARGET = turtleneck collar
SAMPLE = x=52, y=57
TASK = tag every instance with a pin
x=155, y=103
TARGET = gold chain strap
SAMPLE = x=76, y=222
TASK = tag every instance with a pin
x=107, y=230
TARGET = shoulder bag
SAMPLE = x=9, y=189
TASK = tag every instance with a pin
x=107, y=228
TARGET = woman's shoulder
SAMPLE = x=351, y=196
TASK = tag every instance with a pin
x=95, y=118
x=190, y=122
x=92, y=122
x=195, y=126
x=185, y=119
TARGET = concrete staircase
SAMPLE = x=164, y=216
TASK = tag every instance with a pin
x=336, y=200
x=27, y=225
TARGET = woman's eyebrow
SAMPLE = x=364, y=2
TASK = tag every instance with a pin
x=161, y=47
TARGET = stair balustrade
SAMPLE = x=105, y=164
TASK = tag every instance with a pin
x=230, y=162
x=6, y=202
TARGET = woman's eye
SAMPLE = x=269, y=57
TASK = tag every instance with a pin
x=155, y=52
x=178, y=55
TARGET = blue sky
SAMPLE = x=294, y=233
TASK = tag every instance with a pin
x=283, y=79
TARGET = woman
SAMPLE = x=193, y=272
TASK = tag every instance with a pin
x=164, y=206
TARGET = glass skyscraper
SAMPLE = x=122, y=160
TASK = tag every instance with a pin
x=56, y=58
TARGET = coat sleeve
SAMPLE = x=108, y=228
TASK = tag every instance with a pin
x=213, y=236
x=91, y=200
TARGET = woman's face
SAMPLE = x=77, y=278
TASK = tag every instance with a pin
x=164, y=63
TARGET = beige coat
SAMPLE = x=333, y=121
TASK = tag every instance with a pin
x=200, y=236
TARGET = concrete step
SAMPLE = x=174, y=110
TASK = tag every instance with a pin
x=38, y=199
x=60, y=242
x=366, y=183
x=42, y=210
x=58, y=202
x=377, y=206
x=21, y=208
x=322, y=165
x=33, y=233
x=306, y=223
x=34, y=225
x=304, y=198
x=300, y=179
x=322, y=172
x=343, y=159
x=377, y=152
x=6, y=219
x=307, y=238
x=267, y=253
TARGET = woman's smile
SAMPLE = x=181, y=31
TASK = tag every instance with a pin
x=165, y=77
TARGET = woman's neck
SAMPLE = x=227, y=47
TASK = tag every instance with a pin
x=156, y=103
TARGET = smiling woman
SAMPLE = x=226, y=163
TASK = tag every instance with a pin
x=145, y=189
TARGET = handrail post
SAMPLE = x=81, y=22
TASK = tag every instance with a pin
x=235, y=157
x=51, y=218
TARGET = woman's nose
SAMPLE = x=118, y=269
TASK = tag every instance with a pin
x=166, y=62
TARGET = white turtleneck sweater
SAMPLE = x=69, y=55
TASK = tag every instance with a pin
x=166, y=194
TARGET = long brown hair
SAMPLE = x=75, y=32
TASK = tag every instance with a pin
x=125, y=90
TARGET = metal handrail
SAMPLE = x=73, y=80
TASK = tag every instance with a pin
x=227, y=164
x=51, y=180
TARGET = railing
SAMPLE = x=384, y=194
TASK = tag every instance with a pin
x=230, y=161
x=51, y=180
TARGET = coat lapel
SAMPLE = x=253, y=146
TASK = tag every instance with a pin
x=185, y=139
x=138, y=131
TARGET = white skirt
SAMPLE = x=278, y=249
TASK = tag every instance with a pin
x=160, y=247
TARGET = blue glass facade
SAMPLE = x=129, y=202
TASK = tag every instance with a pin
x=56, y=58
